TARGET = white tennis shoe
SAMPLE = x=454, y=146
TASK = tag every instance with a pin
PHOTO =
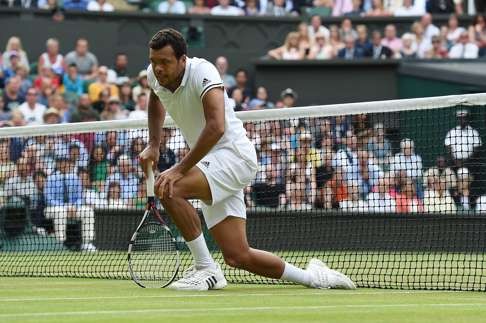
x=200, y=279
x=325, y=277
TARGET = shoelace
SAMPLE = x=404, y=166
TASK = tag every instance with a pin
x=195, y=277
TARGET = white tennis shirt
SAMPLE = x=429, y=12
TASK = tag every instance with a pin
x=185, y=106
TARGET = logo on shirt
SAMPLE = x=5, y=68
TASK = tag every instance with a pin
x=205, y=82
x=205, y=163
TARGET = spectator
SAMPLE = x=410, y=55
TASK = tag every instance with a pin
x=362, y=45
x=378, y=50
x=463, y=197
x=98, y=164
x=142, y=85
x=114, y=110
x=10, y=71
x=477, y=33
x=322, y=8
x=408, y=49
x=379, y=146
x=347, y=162
x=347, y=29
x=51, y=116
x=51, y=58
x=342, y=7
x=7, y=167
x=38, y=205
x=119, y=73
x=305, y=42
x=75, y=4
x=91, y=196
x=58, y=102
x=4, y=115
x=14, y=44
x=100, y=5
x=126, y=96
x=221, y=64
x=408, y=9
x=377, y=9
x=101, y=84
x=33, y=112
x=48, y=78
x=241, y=77
x=114, y=198
x=349, y=52
x=356, y=10
x=72, y=81
x=172, y=7
x=290, y=49
x=86, y=61
x=277, y=8
x=380, y=200
x=251, y=8
x=391, y=40
x=12, y=97
x=407, y=161
x=464, y=48
x=101, y=105
x=21, y=185
x=454, y=31
x=16, y=119
x=436, y=197
x=289, y=97
x=140, y=111
x=25, y=82
x=84, y=111
x=422, y=44
x=113, y=148
x=463, y=141
x=261, y=101
x=78, y=155
x=317, y=27
x=64, y=196
x=335, y=39
x=353, y=202
x=321, y=49
x=437, y=50
x=237, y=97
x=301, y=183
x=125, y=177
x=407, y=200
x=446, y=173
x=225, y=9
x=167, y=157
x=429, y=28
x=441, y=6
x=269, y=193
x=199, y=8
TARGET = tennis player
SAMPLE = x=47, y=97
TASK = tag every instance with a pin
x=220, y=163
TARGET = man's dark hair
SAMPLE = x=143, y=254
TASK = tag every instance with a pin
x=241, y=70
x=172, y=37
x=73, y=65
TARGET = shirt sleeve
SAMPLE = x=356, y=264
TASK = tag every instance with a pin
x=206, y=77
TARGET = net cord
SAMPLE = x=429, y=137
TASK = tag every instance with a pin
x=262, y=115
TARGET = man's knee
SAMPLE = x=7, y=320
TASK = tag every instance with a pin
x=238, y=259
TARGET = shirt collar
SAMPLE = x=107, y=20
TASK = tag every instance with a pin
x=186, y=72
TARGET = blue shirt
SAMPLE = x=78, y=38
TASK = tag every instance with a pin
x=55, y=193
x=74, y=86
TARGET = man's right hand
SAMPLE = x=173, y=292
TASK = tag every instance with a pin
x=149, y=157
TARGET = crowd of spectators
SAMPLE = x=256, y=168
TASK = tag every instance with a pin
x=351, y=8
x=424, y=40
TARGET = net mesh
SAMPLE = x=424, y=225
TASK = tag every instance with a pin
x=390, y=193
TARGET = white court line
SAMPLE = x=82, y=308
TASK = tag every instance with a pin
x=242, y=309
x=284, y=294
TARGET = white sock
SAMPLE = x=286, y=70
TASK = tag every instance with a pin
x=296, y=275
x=200, y=252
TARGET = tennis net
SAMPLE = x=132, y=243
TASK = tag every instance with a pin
x=391, y=193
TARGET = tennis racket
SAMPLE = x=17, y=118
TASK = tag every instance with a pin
x=153, y=257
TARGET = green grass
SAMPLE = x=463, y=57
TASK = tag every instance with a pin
x=94, y=300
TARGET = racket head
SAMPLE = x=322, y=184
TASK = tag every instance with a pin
x=153, y=257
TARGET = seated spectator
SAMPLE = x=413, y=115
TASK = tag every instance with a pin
x=33, y=112
x=437, y=198
x=277, y=8
x=290, y=49
x=429, y=28
x=454, y=31
x=335, y=40
x=100, y=5
x=342, y=7
x=315, y=28
x=391, y=40
x=356, y=10
x=380, y=200
x=301, y=183
x=98, y=165
x=58, y=102
x=114, y=198
x=64, y=196
x=269, y=193
x=14, y=64
x=463, y=197
x=378, y=50
x=113, y=110
x=119, y=73
x=25, y=82
x=409, y=9
x=14, y=44
x=305, y=41
x=199, y=8
x=321, y=49
x=463, y=141
x=407, y=199
x=225, y=9
x=42, y=225
x=379, y=146
x=347, y=29
x=261, y=101
x=75, y=4
x=47, y=77
x=16, y=119
x=349, y=52
x=251, y=8
x=362, y=44
x=7, y=166
x=167, y=157
x=126, y=96
x=422, y=44
x=441, y=6
x=101, y=84
x=51, y=58
x=22, y=182
x=353, y=203
x=12, y=97
x=72, y=81
x=241, y=77
x=114, y=145
x=477, y=33
x=101, y=104
x=124, y=175
x=78, y=155
x=337, y=188
x=91, y=196
x=377, y=9
x=464, y=48
x=408, y=49
x=237, y=97
x=289, y=97
x=346, y=160
x=407, y=160
x=84, y=112
x=221, y=64
x=172, y=7
x=51, y=116
x=323, y=8
x=142, y=86
x=86, y=61
x=140, y=111
x=438, y=50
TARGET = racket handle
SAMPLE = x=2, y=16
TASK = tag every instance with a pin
x=150, y=181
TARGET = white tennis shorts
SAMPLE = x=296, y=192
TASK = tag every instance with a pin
x=228, y=171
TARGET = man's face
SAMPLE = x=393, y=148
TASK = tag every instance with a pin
x=31, y=96
x=376, y=39
x=72, y=71
x=241, y=78
x=167, y=68
x=103, y=74
x=288, y=101
x=142, y=102
x=463, y=121
x=222, y=65
x=84, y=100
x=441, y=162
x=14, y=84
x=316, y=22
x=390, y=32
x=82, y=47
x=53, y=47
x=121, y=61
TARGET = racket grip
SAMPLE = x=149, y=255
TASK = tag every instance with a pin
x=150, y=181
